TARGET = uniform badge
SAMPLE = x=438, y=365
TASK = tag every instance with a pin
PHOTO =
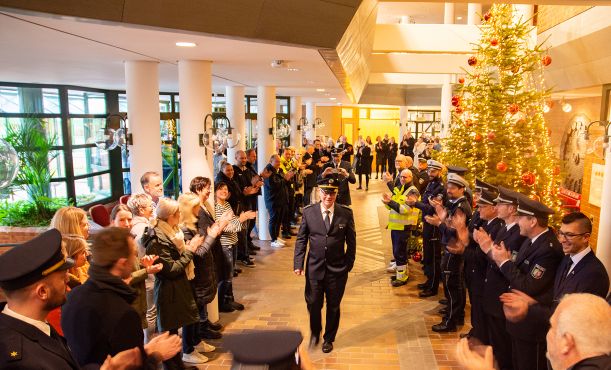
x=341, y=226
x=514, y=256
x=537, y=272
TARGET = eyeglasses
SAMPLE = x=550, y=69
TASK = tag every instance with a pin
x=568, y=236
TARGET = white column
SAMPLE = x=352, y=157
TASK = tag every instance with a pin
x=446, y=99
x=523, y=12
x=266, y=99
x=603, y=245
x=142, y=88
x=403, y=120
x=295, y=116
x=195, y=89
x=234, y=96
x=448, y=13
x=311, y=116
x=474, y=14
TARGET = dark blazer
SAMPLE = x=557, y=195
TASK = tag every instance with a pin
x=363, y=160
x=275, y=188
x=343, y=193
x=204, y=283
x=349, y=151
x=476, y=262
x=333, y=252
x=32, y=348
x=594, y=363
x=534, y=272
x=495, y=282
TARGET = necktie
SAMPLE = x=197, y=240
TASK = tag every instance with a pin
x=566, y=270
x=327, y=220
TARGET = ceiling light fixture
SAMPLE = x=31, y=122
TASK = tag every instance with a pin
x=292, y=69
x=320, y=90
x=332, y=98
x=566, y=107
x=459, y=18
x=186, y=44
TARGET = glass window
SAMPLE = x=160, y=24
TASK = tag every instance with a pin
x=127, y=183
x=86, y=102
x=59, y=190
x=253, y=105
x=346, y=112
x=57, y=165
x=84, y=130
x=28, y=100
x=165, y=103
x=364, y=113
x=123, y=103
x=89, y=160
x=53, y=127
x=176, y=103
x=91, y=189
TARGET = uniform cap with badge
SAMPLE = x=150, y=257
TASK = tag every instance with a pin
x=329, y=184
x=460, y=171
x=531, y=207
x=434, y=165
x=486, y=198
x=507, y=196
x=457, y=180
x=256, y=349
x=33, y=260
x=482, y=185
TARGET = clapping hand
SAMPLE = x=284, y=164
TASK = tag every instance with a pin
x=164, y=345
x=387, y=176
x=250, y=190
x=327, y=171
x=128, y=359
x=433, y=220
x=500, y=254
x=515, y=305
x=482, y=238
x=471, y=359
x=386, y=198
x=342, y=172
x=148, y=260
x=194, y=243
x=214, y=230
x=248, y=215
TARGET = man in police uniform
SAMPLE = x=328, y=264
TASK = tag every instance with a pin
x=430, y=233
x=533, y=272
x=328, y=228
x=344, y=170
x=452, y=263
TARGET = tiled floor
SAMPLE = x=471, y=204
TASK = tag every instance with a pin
x=381, y=327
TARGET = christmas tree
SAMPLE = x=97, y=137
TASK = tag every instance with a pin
x=498, y=131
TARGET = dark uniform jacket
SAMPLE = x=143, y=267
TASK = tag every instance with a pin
x=588, y=276
x=594, y=363
x=343, y=193
x=476, y=262
x=213, y=261
x=433, y=189
x=275, y=189
x=446, y=232
x=533, y=273
x=24, y=346
x=329, y=253
x=496, y=283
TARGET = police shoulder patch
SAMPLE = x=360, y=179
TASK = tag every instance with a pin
x=537, y=272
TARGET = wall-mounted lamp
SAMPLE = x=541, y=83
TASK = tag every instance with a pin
x=108, y=138
x=280, y=128
x=566, y=107
x=303, y=122
x=318, y=123
x=220, y=130
x=547, y=106
x=605, y=124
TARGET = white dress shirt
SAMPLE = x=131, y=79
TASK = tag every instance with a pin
x=577, y=257
x=331, y=212
x=43, y=326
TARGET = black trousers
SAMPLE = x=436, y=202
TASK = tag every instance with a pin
x=380, y=168
x=454, y=287
x=478, y=319
x=500, y=341
x=432, y=262
x=332, y=288
x=289, y=214
x=528, y=355
x=391, y=166
x=251, y=226
x=366, y=179
x=276, y=214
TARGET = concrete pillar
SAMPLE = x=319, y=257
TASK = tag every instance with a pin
x=448, y=13
x=523, y=12
x=403, y=121
x=603, y=245
x=311, y=117
x=474, y=14
x=236, y=113
x=142, y=88
x=266, y=98
x=295, y=116
x=195, y=90
x=446, y=107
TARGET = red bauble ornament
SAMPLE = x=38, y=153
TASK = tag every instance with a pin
x=502, y=166
x=549, y=131
x=459, y=110
x=456, y=100
x=491, y=135
x=556, y=171
x=472, y=61
x=528, y=178
x=494, y=42
x=513, y=108
x=417, y=257
x=487, y=16
x=461, y=80
x=546, y=60
x=468, y=123
x=478, y=137
x=515, y=69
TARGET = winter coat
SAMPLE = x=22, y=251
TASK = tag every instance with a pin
x=363, y=160
x=205, y=281
x=173, y=294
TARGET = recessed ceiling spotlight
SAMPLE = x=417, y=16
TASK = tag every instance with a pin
x=320, y=90
x=459, y=18
x=293, y=69
x=332, y=98
x=327, y=94
x=186, y=44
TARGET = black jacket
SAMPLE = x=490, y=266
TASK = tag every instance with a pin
x=274, y=188
x=98, y=319
x=23, y=346
x=495, y=282
x=594, y=363
x=333, y=252
x=446, y=232
x=349, y=151
x=236, y=197
x=533, y=272
x=243, y=178
x=343, y=193
x=205, y=281
x=476, y=262
x=363, y=160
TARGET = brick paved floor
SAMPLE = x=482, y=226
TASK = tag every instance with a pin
x=381, y=327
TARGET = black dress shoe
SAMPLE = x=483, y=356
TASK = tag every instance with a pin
x=327, y=347
x=226, y=308
x=314, y=339
x=443, y=311
x=444, y=327
x=443, y=301
x=465, y=335
x=254, y=247
x=237, y=306
x=423, y=285
x=208, y=333
x=359, y=188
x=427, y=293
x=214, y=325
x=238, y=270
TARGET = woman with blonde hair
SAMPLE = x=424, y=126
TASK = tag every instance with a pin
x=71, y=220
x=75, y=247
x=174, y=300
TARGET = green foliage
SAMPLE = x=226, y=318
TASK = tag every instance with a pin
x=35, y=150
x=498, y=114
x=24, y=213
